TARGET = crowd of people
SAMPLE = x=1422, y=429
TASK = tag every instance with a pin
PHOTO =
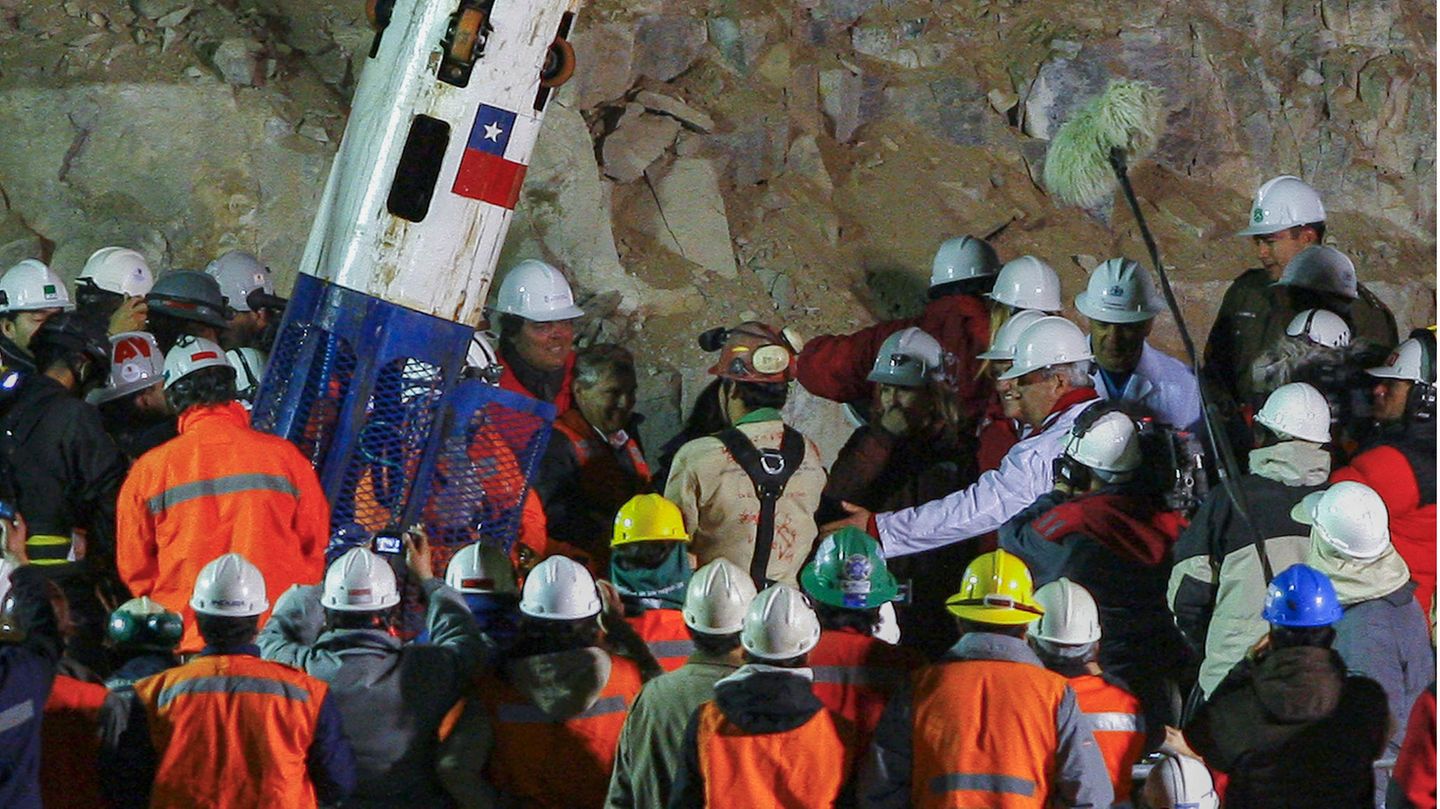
x=1028, y=578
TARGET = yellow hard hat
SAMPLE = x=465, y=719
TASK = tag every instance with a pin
x=996, y=589
x=648, y=518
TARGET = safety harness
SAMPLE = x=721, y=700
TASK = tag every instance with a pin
x=769, y=470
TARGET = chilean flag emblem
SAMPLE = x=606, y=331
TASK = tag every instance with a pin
x=490, y=170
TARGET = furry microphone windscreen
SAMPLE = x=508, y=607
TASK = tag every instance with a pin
x=1128, y=116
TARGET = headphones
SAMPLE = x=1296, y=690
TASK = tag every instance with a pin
x=158, y=630
x=1066, y=469
x=1420, y=403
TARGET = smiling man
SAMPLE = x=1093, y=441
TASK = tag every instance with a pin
x=537, y=313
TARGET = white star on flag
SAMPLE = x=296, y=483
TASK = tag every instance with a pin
x=493, y=132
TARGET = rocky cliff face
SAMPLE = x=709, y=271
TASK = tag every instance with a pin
x=714, y=160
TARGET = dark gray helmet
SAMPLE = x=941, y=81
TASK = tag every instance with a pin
x=190, y=295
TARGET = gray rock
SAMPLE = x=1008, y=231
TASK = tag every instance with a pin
x=604, y=55
x=955, y=109
x=637, y=141
x=902, y=44
x=849, y=100
x=805, y=161
x=240, y=61
x=155, y=9
x=739, y=42
x=677, y=109
x=666, y=45
x=1062, y=86
x=688, y=216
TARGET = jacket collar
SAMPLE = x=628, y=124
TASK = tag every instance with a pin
x=1070, y=398
x=357, y=640
x=239, y=649
x=992, y=646
x=231, y=412
x=763, y=414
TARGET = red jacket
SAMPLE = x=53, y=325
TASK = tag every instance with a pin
x=855, y=675
x=1388, y=471
x=1415, y=766
x=563, y=400
x=70, y=745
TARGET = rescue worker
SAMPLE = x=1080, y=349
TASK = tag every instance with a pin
x=537, y=314
x=1001, y=427
x=705, y=419
x=1180, y=782
x=484, y=578
x=986, y=725
x=650, y=567
x=854, y=671
x=1217, y=585
x=132, y=401
x=1399, y=462
x=1049, y=385
x=1067, y=640
x=186, y=302
x=766, y=739
x=220, y=486
x=1382, y=634
x=749, y=492
x=144, y=636
x=648, y=756
x=63, y=473
x=559, y=690
x=1121, y=304
x=30, y=293
x=593, y=463
x=228, y=729
x=341, y=632
x=111, y=289
x=1288, y=725
x=30, y=647
x=255, y=314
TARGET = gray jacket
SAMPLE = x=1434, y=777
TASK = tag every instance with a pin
x=392, y=697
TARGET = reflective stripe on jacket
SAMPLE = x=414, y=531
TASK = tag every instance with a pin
x=601, y=475
x=1119, y=725
x=855, y=675
x=806, y=766
x=664, y=631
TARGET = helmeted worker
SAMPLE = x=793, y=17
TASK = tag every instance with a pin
x=340, y=632
x=132, y=401
x=986, y=725
x=1001, y=427
x=854, y=671
x=716, y=600
x=1180, y=782
x=228, y=729
x=650, y=567
x=1067, y=640
x=111, y=289
x=749, y=492
x=1288, y=725
x=30, y=293
x=255, y=313
x=766, y=739
x=144, y=636
x=484, y=578
x=1217, y=585
x=1317, y=349
x=186, y=302
x=1121, y=304
x=220, y=486
x=30, y=647
x=537, y=314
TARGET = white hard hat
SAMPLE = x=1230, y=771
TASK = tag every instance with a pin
x=1407, y=361
x=1297, y=410
x=359, y=581
x=1323, y=269
x=963, y=258
x=479, y=568
x=119, y=270
x=1349, y=516
x=536, y=291
x=31, y=285
x=135, y=364
x=906, y=358
x=717, y=597
x=230, y=586
x=1282, y=203
x=1110, y=444
x=1180, y=782
x=1119, y=291
x=1002, y=346
x=482, y=357
x=1047, y=342
x=191, y=354
x=780, y=624
x=240, y=273
x=1071, y=617
x=1027, y=283
x=249, y=364
x=1321, y=327
x=561, y=589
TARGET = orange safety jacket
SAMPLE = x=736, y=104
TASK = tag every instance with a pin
x=1119, y=724
x=602, y=478
x=806, y=766
x=984, y=734
x=509, y=381
x=855, y=674
x=218, y=487
x=70, y=745
x=231, y=731
x=664, y=631
x=561, y=763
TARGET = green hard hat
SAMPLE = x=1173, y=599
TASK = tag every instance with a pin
x=849, y=572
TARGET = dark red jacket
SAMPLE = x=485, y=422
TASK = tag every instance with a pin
x=1413, y=782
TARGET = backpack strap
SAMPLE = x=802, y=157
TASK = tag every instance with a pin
x=769, y=470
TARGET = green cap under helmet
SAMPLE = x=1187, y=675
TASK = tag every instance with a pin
x=849, y=572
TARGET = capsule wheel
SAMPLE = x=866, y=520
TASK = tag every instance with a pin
x=467, y=35
x=559, y=64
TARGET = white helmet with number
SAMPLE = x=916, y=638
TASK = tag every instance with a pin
x=780, y=624
x=31, y=285
x=1110, y=444
x=239, y=273
x=1002, y=346
x=1407, y=361
x=1071, y=617
x=1047, y=342
x=1321, y=268
x=1282, y=203
x=230, y=586
x=560, y=589
x=191, y=354
x=717, y=598
x=1321, y=327
x=1297, y=410
x=963, y=258
x=359, y=581
x=478, y=568
x=906, y=358
x=135, y=364
x=1180, y=782
x=536, y=291
x=119, y=270
x=1350, y=517
x=1119, y=291
x=1027, y=283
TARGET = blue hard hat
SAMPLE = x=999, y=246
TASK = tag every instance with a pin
x=1301, y=596
x=346, y=536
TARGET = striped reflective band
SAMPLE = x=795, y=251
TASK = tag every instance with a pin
x=225, y=484
x=859, y=675
x=1115, y=720
x=227, y=684
x=17, y=715
x=48, y=549
x=981, y=782
x=671, y=648
x=527, y=714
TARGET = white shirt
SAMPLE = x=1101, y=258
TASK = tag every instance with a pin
x=1163, y=384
